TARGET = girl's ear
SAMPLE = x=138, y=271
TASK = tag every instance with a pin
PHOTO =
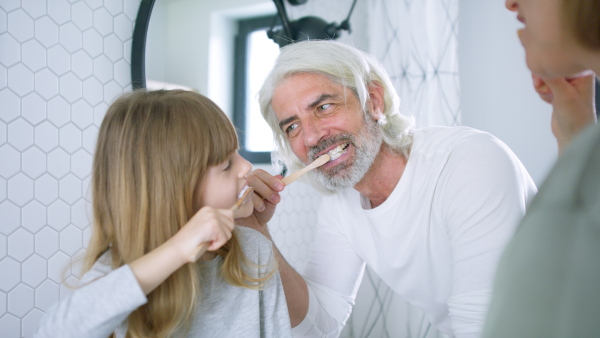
x=377, y=105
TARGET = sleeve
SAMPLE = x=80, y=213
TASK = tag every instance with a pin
x=332, y=285
x=96, y=309
x=484, y=190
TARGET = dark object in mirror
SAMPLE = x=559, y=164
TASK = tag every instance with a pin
x=138, y=45
x=306, y=28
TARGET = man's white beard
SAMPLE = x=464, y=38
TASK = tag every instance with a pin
x=367, y=144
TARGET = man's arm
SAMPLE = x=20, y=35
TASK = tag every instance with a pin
x=266, y=197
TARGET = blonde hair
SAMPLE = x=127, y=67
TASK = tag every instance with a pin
x=153, y=149
x=582, y=18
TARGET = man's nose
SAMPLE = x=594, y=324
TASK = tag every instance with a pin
x=313, y=132
x=512, y=5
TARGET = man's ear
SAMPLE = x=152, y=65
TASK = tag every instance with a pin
x=376, y=103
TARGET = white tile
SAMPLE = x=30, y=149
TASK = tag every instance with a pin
x=93, y=91
x=131, y=9
x=11, y=274
x=59, y=163
x=81, y=213
x=34, y=55
x=59, y=215
x=33, y=216
x=65, y=289
x=94, y=4
x=59, y=111
x=59, y=11
x=3, y=301
x=123, y=72
x=46, y=136
x=11, y=105
x=35, y=8
x=90, y=136
x=59, y=60
x=87, y=234
x=20, y=79
x=69, y=189
x=81, y=64
x=11, y=218
x=69, y=138
x=82, y=114
x=46, y=83
x=70, y=37
x=33, y=162
x=11, y=50
x=20, y=25
x=34, y=271
x=20, y=134
x=123, y=27
x=3, y=21
x=10, y=326
x=46, y=242
x=46, y=189
x=3, y=77
x=3, y=248
x=30, y=322
x=46, y=294
x=2, y=192
x=99, y=112
x=93, y=42
x=114, y=6
x=20, y=245
x=127, y=50
x=87, y=189
x=20, y=189
x=71, y=240
x=58, y=267
x=82, y=15
x=113, y=47
x=11, y=160
x=46, y=31
x=112, y=90
x=34, y=108
x=20, y=300
x=103, y=69
x=103, y=21
x=70, y=87
x=81, y=163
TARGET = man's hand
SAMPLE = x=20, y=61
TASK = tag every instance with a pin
x=572, y=101
x=266, y=196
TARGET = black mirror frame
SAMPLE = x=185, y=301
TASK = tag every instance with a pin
x=138, y=45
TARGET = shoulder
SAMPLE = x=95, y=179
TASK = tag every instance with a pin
x=454, y=139
x=254, y=243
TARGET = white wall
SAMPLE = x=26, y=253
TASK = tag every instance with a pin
x=61, y=64
x=496, y=91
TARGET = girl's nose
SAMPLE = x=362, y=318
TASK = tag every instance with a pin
x=512, y=5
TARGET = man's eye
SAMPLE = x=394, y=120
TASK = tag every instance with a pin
x=325, y=106
x=228, y=166
x=291, y=128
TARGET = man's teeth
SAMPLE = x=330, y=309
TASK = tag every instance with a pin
x=337, y=151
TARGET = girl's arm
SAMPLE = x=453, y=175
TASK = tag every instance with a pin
x=100, y=306
x=208, y=225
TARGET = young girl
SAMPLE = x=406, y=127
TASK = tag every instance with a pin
x=166, y=171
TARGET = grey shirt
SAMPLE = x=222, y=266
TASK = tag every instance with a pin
x=548, y=282
x=102, y=306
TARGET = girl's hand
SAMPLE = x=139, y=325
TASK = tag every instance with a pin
x=572, y=102
x=208, y=225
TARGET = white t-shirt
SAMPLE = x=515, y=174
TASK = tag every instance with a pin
x=435, y=241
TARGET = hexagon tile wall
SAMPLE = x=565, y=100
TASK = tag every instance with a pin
x=61, y=64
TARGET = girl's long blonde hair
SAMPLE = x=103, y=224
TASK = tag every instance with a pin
x=153, y=149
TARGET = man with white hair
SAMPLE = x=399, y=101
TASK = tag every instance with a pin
x=429, y=210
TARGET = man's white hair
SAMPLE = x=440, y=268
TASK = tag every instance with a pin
x=344, y=65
